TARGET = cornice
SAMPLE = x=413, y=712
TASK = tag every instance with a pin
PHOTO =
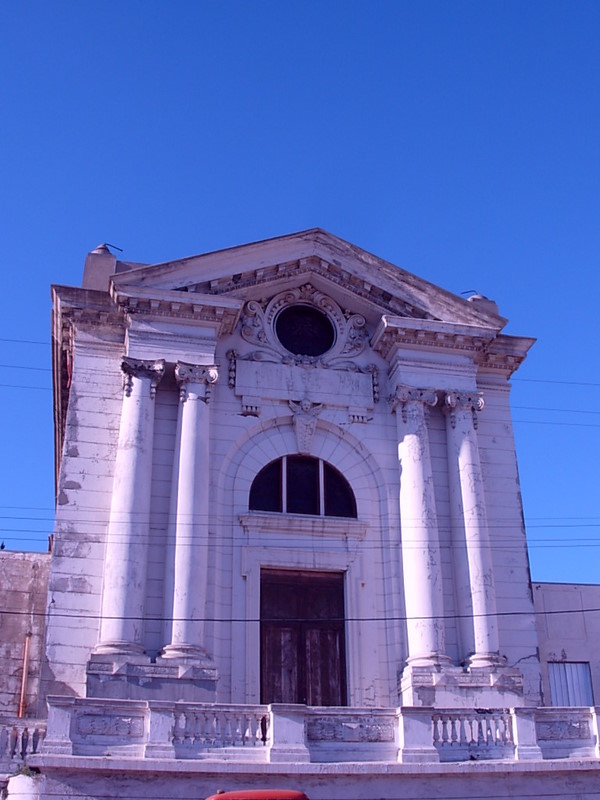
x=504, y=355
x=222, y=312
x=395, y=332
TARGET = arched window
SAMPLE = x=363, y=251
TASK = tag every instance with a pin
x=302, y=485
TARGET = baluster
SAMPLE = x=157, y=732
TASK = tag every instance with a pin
x=264, y=728
x=472, y=730
x=481, y=732
x=210, y=728
x=508, y=737
x=227, y=732
x=239, y=730
x=14, y=738
x=490, y=738
x=497, y=731
x=255, y=729
x=247, y=738
x=189, y=727
x=221, y=724
x=454, y=730
x=445, y=737
x=179, y=727
x=24, y=743
x=464, y=731
x=197, y=727
x=436, y=732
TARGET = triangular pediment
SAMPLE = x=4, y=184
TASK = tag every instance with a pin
x=357, y=279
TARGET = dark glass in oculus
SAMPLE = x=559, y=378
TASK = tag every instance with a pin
x=304, y=330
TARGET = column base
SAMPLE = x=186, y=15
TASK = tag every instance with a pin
x=136, y=678
x=434, y=661
x=120, y=649
x=186, y=654
x=448, y=686
x=485, y=661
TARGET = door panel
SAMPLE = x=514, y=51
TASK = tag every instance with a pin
x=280, y=645
x=302, y=638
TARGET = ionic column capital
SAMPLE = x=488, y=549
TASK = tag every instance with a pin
x=201, y=374
x=139, y=368
x=403, y=395
x=472, y=402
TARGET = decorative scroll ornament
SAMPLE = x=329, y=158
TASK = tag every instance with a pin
x=138, y=368
x=258, y=328
x=185, y=374
x=455, y=401
x=408, y=394
x=305, y=422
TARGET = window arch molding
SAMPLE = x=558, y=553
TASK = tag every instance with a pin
x=266, y=546
x=275, y=437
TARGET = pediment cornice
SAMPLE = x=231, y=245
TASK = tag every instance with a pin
x=254, y=271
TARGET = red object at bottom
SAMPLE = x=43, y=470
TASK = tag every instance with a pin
x=259, y=794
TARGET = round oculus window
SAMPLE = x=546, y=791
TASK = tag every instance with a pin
x=304, y=330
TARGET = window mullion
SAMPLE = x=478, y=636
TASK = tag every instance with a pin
x=321, y=488
x=284, y=503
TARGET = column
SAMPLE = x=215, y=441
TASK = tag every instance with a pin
x=469, y=513
x=421, y=558
x=124, y=591
x=191, y=510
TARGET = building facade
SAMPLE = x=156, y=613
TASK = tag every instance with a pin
x=289, y=538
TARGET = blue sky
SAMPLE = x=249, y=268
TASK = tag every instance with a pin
x=458, y=140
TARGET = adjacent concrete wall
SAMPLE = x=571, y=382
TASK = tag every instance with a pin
x=568, y=623
x=23, y=591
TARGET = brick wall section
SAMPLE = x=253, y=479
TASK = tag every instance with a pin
x=23, y=591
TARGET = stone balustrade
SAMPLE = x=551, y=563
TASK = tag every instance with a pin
x=19, y=738
x=201, y=727
x=461, y=735
x=291, y=734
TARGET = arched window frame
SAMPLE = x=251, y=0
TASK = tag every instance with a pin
x=321, y=488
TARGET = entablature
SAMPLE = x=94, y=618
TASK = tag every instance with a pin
x=393, y=333
x=223, y=312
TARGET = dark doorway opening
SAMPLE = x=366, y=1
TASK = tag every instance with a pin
x=303, y=652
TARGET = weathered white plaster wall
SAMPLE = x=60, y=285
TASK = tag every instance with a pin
x=516, y=620
x=83, y=504
x=570, y=636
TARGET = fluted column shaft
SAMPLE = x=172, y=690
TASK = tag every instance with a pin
x=191, y=509
x=421, y=558
x=124, y=590
x=468, y=497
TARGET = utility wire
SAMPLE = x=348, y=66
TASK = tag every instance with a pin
x=254, y=620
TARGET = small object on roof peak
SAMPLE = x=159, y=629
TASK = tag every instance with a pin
x=484, y=303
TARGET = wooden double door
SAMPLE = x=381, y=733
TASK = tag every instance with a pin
x=302, y=626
